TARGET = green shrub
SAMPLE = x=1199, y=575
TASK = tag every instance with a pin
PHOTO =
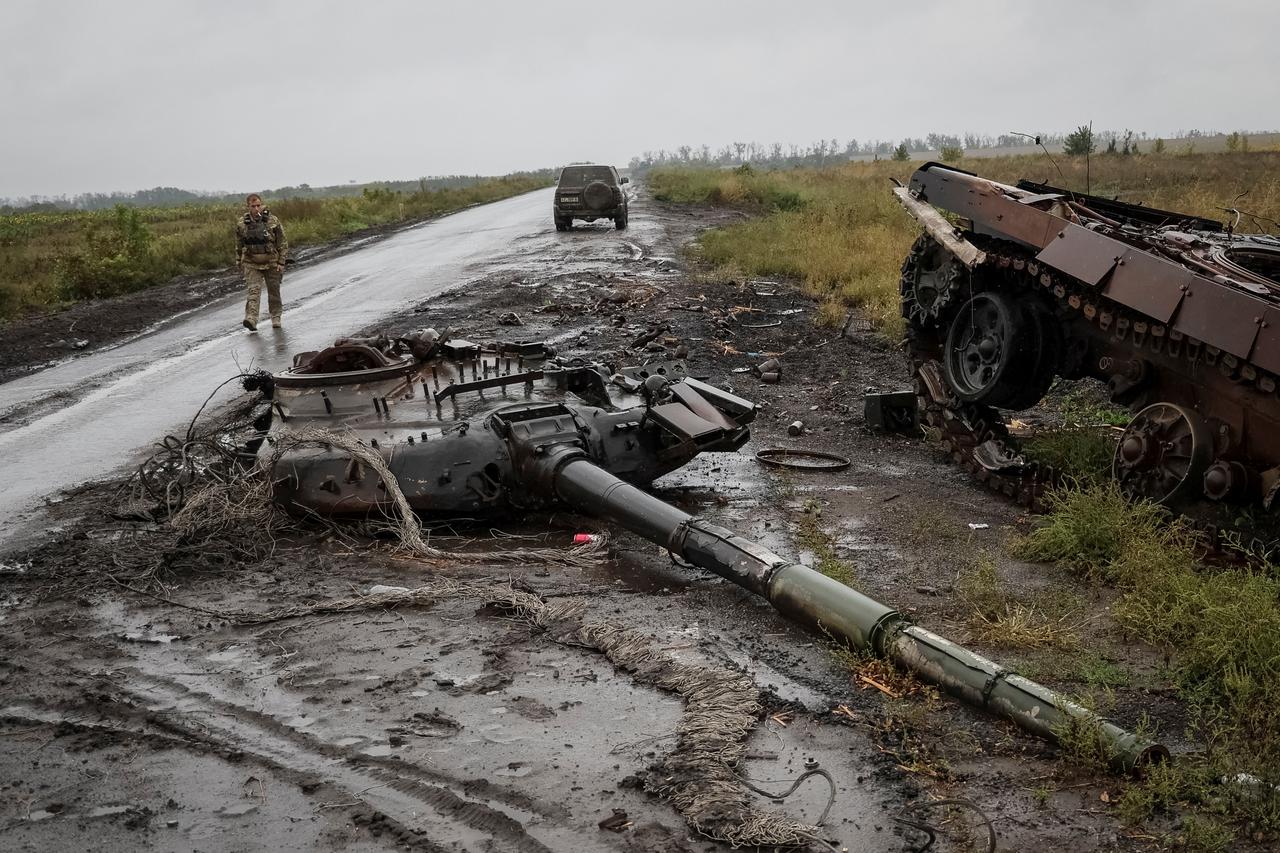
x=116, y=259
x=1081, y=454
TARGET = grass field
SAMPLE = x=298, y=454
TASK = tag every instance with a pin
x=842, y=232
x=52, y=258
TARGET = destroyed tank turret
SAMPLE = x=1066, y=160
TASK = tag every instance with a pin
x=444, y=413
x=1011, y=286
x=461, y=428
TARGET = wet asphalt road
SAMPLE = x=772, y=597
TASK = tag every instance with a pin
x=91, y=416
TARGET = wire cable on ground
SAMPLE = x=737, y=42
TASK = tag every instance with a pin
x=817, y=771
x=932, y=831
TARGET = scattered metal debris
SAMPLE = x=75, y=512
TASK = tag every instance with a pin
x=891, y=412
x=932, y=832
x=771, y=365
x=652, y=335
x=615, y=822
x=808, y=460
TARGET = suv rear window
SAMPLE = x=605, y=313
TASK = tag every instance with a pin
x=580, y=176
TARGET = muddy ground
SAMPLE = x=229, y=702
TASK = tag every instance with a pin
x=139, y=715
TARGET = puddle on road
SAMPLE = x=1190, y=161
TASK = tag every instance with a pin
x=231, y=654
x=514, y=770
x=107, y=811
x=237, y=810
x=822, y=488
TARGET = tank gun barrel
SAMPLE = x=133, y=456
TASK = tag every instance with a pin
x=826, y=606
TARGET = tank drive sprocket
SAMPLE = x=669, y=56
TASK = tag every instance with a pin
x=932, y=278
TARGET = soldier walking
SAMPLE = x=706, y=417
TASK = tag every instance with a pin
x=261, y=249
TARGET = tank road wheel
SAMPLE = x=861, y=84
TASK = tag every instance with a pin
x=991, y=350
x=1163, y=454
x=1044, y=355
x=931, y=276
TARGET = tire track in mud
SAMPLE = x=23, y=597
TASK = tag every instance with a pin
x=424, y=804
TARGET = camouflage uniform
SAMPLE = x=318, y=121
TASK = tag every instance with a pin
x=261, y=249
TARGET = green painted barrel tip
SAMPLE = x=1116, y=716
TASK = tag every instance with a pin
x=829, y=607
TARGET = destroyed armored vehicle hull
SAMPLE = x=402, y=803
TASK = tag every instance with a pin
x=1178, y=315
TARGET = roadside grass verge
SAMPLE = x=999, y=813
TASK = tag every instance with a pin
x=1000, y=618
x=1082, y=454
x=841, y=232
x=1220, y=627
x=52, y=258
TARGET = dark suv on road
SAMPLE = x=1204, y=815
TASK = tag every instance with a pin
x=589, y=192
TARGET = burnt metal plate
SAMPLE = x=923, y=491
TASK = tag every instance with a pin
x=701, y=407
x=679, y=419
x=1040, y=197
x=1081, y=254
x=894, y=411
x=742, y=411
x=1220, y=316
x=1266, y=350
x=987, y=205
x=1148, y=284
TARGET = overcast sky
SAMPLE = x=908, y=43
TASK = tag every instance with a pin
x=126, y=95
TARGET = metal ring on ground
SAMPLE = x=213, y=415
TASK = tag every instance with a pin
x=807, y=460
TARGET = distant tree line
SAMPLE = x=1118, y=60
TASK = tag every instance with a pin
x=950, y=147
x=177, y=197
x=821, y=152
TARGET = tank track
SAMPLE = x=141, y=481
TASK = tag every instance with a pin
x=964, y=428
